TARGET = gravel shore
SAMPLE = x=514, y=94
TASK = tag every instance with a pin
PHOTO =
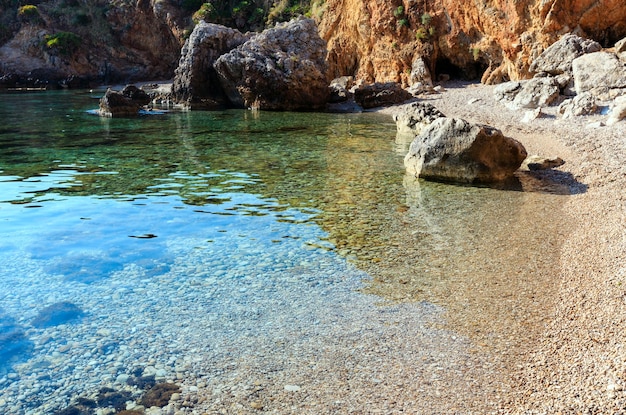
x=576, y=360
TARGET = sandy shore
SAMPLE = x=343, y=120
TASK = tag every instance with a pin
x=575, y=360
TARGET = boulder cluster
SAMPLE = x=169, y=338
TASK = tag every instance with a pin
x=575, y=73
x=283, y=68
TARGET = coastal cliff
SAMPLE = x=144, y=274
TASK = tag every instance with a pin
x=494, y=40
x=104, y=41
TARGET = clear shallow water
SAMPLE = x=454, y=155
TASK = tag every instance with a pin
x=218, y=250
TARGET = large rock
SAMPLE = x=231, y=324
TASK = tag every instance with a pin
x=533, y=93
x=454, y=150
x=381, y=95
x=414, y=117
x=196, y=84
x=283, y=68
x=557, y=59
x=599, y=69
x=537, y=92
x=126, y=103
x=583, y=104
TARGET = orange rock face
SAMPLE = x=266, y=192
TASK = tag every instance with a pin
x=495, y=40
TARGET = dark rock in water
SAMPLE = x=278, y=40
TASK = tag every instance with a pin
x=159, y=395
x=58, y=313
x=13, y=342
x=138, y=96
x=108, y=397
x=142, y=382
x=73, y=410
x=381, y=95
x=126, y=103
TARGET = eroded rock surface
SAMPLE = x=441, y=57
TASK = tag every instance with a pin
x=455, y=150
x=196, y=84
x=283, y=68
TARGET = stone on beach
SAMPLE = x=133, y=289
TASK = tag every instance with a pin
x=381, y=95
x=414, y=117
x=455, y=150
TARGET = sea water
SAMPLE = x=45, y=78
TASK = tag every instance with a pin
x=223, y=252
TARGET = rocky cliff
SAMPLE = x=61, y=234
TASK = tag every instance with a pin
x=71, y=42
x=496, y=40
x=375, y=40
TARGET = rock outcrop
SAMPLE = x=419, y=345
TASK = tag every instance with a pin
x=283, y=68
x=126, y=103
x=557, y=58
x=414, y=117
x=196, y=84
x=380, y=95
x=88, y=44
x=600, y=69
x=454, y=150
x=499, y=39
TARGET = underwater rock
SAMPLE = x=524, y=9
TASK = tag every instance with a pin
x=13, y=341
x=56, y=314
x=159, y=395
x=108, y=397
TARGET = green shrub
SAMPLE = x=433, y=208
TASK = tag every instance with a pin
x=206, y=12
x=475, y=53
x=29, y=13
x=28, y=10
x=399, y=12
x=403, y=23
x=420, y=34
x=426, y=19
x=63, y=42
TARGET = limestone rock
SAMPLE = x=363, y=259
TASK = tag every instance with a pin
x=454, y=150
x=620, y=46
x=598, y=69
x=196, y=83
x=420, y=74
x=380, y=95
x=120, y=104
x=502, y=35
x=557, y=59
x=583, y=104
x=537, y=92
x=507, y=91
x=618, y=111
x=283, y=68
x=340, y=89
x=414, y=117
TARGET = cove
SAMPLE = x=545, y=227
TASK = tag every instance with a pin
x=275, y=261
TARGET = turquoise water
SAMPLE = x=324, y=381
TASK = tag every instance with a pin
x=228, y=251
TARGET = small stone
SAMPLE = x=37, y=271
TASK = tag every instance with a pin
x=292, y=388
x=256, y=405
